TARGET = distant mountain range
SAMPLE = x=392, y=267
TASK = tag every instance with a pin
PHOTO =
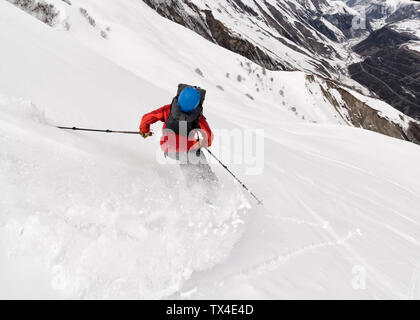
x=371, y=42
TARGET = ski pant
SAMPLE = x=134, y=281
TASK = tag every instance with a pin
x=195, y=167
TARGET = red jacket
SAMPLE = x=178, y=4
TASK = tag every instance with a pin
x=176, y=143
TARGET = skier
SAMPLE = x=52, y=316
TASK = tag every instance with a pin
x=185, y=132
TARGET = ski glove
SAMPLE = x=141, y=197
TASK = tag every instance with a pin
x=145, y=135
x=199, y=143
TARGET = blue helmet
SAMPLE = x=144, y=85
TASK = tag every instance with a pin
x=189, y=99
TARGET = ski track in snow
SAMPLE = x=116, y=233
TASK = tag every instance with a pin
x=274, y=263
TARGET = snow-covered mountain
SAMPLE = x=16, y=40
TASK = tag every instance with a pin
x=315, y=36
x=280, y=35
x=96, y=216
x=391, y=58
x=346, y=107
x=384, y=9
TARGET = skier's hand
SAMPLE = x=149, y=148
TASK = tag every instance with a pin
x=145, y=134
x=198, y=144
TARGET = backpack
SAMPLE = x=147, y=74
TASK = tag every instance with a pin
x=186, y=121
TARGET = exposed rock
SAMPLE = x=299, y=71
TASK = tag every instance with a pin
x=383, y=38
x=295, y=24
x=321, y=27
x=84, y=13
x=413, y=132
x=41, y=10
x=249, y=96
x=224, y=37
x=390, y=70
x=411, y=11
x=361, y=115
x=344, y=22
x=174, y=10
x=199, y=72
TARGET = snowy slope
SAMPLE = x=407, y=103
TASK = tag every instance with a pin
x=108, y=241
x=96, y=216
x=289, y=93
x=105, y=225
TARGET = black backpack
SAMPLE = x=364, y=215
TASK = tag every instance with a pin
x=186, y=121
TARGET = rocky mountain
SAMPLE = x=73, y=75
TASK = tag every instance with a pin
x=279, y=35
x=46, y=12
x=316, y=36
x=390, y=69
x=391, y=56
x=363, y=112
x=389, y=10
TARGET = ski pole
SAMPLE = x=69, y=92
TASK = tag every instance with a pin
x=98, y=130
x=236, y=178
